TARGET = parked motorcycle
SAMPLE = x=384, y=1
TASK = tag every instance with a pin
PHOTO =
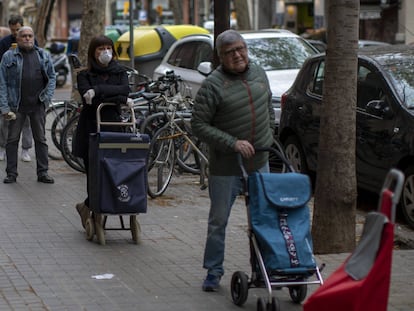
x=60, y=62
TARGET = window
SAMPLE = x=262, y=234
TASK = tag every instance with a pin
x=369, y=86
x=316, y=84
x=183, y=56
x=204, y=53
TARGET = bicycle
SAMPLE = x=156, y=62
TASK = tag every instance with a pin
x=165, y=147
x=57, y=115
x=67, y=140
x=69, y=133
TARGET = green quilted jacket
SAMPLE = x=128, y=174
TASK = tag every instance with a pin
x=230, y=107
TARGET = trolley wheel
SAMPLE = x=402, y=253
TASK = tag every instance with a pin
x=135, y=229
x=275, y=306
x=90, y=229
x=261, y=305
x=239, y=287
x=100, y=234
x=298, y=293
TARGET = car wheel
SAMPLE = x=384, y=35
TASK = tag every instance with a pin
x=407, y=197
x=294, y=153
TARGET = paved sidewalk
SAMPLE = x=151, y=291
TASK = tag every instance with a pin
x=47, y=264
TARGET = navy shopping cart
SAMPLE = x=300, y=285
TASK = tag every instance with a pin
x=117, y=177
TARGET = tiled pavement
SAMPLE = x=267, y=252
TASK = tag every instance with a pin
x=47, y=264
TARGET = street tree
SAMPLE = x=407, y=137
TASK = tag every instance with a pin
x=4, y=12
x=176, y=7
x=42, y=21
x=93, y=24
x=242, y=15
x=333, y=227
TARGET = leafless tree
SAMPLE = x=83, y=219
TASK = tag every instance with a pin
x=42, y=21
x=176, y=7
x=333, y=228
x=93, y=23
x=242, y=14
x=4, y=12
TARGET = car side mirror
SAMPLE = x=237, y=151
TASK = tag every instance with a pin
x=205, y=68
x=379, y=108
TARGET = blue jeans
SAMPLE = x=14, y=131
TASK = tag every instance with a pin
x=37, y=122
x=223, y=191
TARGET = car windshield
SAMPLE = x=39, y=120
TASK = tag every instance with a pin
x=279, y=53
x=401, y=70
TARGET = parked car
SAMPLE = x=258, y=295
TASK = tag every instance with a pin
x=151, y=43
x=321, y=46
x=280, y=52
x=384, y=118
x=366, y=43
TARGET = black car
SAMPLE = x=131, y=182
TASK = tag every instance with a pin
x=385, y=118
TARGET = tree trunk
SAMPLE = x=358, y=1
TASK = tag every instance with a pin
x=4, y=13
x=333, y=228
x=42, y=21
x=221, y=23
x=176, y=7
x=93, y=24
x=242, y=15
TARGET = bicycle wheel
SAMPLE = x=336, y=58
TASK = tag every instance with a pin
x=161, y=161
x=52, y=113
x=152, y=123
x=68, y=133
x=275, y=163
x=188, y=158
x=203, y=166
x=57, y=115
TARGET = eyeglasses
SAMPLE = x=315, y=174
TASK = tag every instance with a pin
x=233, y=51
x=26, y=36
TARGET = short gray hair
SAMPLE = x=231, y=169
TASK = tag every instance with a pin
x=23, y=29
x=228, y=37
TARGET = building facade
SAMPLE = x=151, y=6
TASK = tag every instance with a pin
x=382, y=20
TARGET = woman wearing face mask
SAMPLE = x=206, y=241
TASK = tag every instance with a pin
x=104, y=80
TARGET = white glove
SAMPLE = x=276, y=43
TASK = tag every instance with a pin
x=10, y=116
x=89, y=95
x=130, y=103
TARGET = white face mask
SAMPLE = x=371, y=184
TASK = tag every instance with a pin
x=105, y=57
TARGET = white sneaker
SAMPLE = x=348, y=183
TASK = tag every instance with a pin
x=26, y=156
x=2, y=154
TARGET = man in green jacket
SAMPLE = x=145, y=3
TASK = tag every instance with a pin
x=232, y=114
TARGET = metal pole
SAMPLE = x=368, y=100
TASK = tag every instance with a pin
x=131, y=33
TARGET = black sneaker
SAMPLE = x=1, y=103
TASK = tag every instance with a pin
x=211, y=283
x=46, y=179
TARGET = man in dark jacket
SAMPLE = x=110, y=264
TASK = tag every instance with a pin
x=233, y=114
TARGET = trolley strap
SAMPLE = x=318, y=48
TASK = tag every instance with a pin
x=290, y=241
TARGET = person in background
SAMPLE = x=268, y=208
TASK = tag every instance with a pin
x=104, y=80
x=233, y=114
x=27, y=84
x=6, y=42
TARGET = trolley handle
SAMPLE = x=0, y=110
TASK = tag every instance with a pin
x=99, y=122
x=391, y=190
x=265, y=149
